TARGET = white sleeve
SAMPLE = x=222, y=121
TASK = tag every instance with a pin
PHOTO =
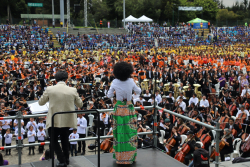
x=111, y=91
x=136, y=89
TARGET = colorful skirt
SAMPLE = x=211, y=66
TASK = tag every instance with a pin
x=125, y=133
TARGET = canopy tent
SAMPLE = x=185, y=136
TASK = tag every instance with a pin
x=144, y=19
x=197, y=23
x=131, y=19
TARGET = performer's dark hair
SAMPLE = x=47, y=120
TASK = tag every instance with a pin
x=123, y=70
x=61, y=75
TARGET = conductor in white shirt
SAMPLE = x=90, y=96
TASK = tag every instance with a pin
x=61, y=98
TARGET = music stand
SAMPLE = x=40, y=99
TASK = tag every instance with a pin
x=147, y=98
x=186, y=101
x=146, y=103
x=170, y=100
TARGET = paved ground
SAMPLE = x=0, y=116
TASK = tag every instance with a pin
x=13, y=158
x=230, y=164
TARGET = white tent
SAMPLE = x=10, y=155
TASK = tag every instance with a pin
x=131, y=19
x=144, y=19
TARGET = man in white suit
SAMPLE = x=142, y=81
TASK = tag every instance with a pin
x=61, y=98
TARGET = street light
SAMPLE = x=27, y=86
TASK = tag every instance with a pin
x=123, y=13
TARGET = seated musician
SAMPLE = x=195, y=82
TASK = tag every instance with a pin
x=167, y=128
x=194, y=100
x=147, y=94
x=171, y=96
x=182, y=104
x=228, y=140
x=163, y=102
x=148, y=141
x=177, y=138
x=245, y=92
x=204, y=102
x=140, y=99
x=191, y=142
x=242, y=110
x=231, y=125
x=208, y=132
x=181, y=95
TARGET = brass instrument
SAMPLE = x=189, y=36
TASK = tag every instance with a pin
x=101, y=87
x=176, y=90
x=166, y=87
x=144, y=85
x=198, y=93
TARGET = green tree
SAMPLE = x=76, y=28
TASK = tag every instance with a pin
x=224, y=14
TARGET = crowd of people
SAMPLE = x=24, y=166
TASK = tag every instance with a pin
x=198, y=77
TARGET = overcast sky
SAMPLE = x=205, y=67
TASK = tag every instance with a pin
x=230, y=2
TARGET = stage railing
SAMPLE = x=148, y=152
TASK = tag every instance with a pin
x=217, y=129
x=19, y=117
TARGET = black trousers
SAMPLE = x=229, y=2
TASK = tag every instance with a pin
x=8, y=150
x=223, y=152
x=31, y=147
x=41, y=148
x=3, y=140
x=81, y=144
x=61, y=152
x=187, y=158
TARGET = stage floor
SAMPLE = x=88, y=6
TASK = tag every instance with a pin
x=145, y=158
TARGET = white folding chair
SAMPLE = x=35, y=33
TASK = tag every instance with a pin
x=217, y=88
x=91, y=118
x=237, y=148
x=183, y=138
x=161, y=139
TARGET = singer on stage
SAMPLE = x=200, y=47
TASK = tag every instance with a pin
x=125, y=120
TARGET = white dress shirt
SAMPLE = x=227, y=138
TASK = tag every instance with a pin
x=30, y=137
x=245, y=111
x=183, y=97
x=8, y=138
x=31, y=124
x=81, y=129
x=193, y=100
x=123, y=89
x=41, y=135
x=147, y=95
x=244, y=92
x=105, y=120
x=158, y=98
x=73, y=136
x=16, y=122
x=6, y=123
x=182, y=105
x=22, y=133
x=204, y=103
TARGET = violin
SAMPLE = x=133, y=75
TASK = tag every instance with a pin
x=170, y=144
x=180, y=156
